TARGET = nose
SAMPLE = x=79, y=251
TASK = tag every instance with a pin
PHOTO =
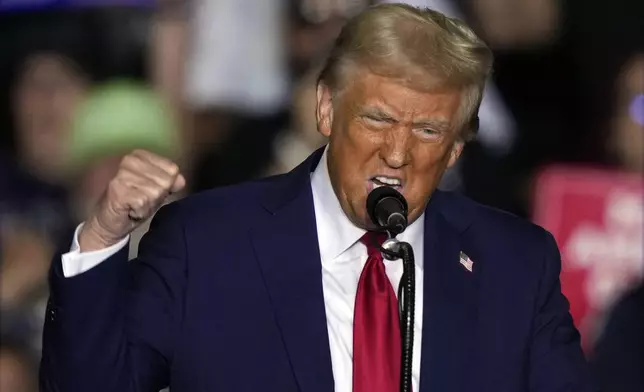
x=396, y=148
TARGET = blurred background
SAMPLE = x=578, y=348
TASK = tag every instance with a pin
x=227, y=89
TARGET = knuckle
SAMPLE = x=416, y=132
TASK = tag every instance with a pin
x=139, y=202
x=128, y=160
x=114, y=186
x=139, y=152
x=158, y=193
x=173, y=169
x=120, y=174
x=167, y=183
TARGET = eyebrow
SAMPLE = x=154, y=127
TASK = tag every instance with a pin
x=441, y=124
x=433, y=123
x=380, y=114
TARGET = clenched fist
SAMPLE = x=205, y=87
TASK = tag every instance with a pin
x=141, y=185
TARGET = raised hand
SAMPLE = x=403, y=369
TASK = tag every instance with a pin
x=141, y=185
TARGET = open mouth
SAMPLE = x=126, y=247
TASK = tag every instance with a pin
x=378, y=181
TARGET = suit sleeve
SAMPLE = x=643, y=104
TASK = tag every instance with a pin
x=112, y=328
x=557, y=362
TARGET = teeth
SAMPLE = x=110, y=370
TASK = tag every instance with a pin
x=388, y=181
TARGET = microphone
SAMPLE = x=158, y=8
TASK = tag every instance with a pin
x=387, y=209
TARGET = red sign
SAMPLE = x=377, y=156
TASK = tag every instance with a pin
x=597, y=218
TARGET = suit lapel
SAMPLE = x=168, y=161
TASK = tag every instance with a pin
x=449, y=306
x=286, y=247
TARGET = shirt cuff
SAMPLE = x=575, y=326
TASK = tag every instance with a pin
x=76, y=262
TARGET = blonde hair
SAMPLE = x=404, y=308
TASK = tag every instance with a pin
x=422, y=48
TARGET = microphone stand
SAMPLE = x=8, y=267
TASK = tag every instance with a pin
x=393, y=249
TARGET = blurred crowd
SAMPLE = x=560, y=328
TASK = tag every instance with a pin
x=226, y=88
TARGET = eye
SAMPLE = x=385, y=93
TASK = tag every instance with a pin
x=373, y=118
x=375, y=121
x=430, y=134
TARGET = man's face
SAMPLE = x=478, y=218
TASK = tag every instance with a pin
x=45, y=99
x=381, y=132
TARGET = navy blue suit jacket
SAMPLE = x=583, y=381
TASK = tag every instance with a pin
x=226, y=295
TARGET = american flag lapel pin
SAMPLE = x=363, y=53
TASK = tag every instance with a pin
x=466, y=261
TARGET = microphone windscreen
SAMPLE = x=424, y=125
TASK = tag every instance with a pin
x=379, y=194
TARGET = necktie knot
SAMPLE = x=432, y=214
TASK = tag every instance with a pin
x=373, y=240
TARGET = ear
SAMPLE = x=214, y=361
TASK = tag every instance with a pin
x=324, y=109
x=457, y=148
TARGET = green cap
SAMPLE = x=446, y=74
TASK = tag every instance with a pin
x=118, y=117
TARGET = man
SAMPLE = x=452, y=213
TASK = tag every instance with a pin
x=256, y=286
x=49, y=68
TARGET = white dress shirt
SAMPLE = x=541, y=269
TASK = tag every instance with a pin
x=343, y=256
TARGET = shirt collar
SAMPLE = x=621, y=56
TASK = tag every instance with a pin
x=336, y=233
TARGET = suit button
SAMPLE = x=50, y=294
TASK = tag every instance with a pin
x=52, y=315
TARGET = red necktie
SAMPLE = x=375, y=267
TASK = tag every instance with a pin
x=376, y=326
